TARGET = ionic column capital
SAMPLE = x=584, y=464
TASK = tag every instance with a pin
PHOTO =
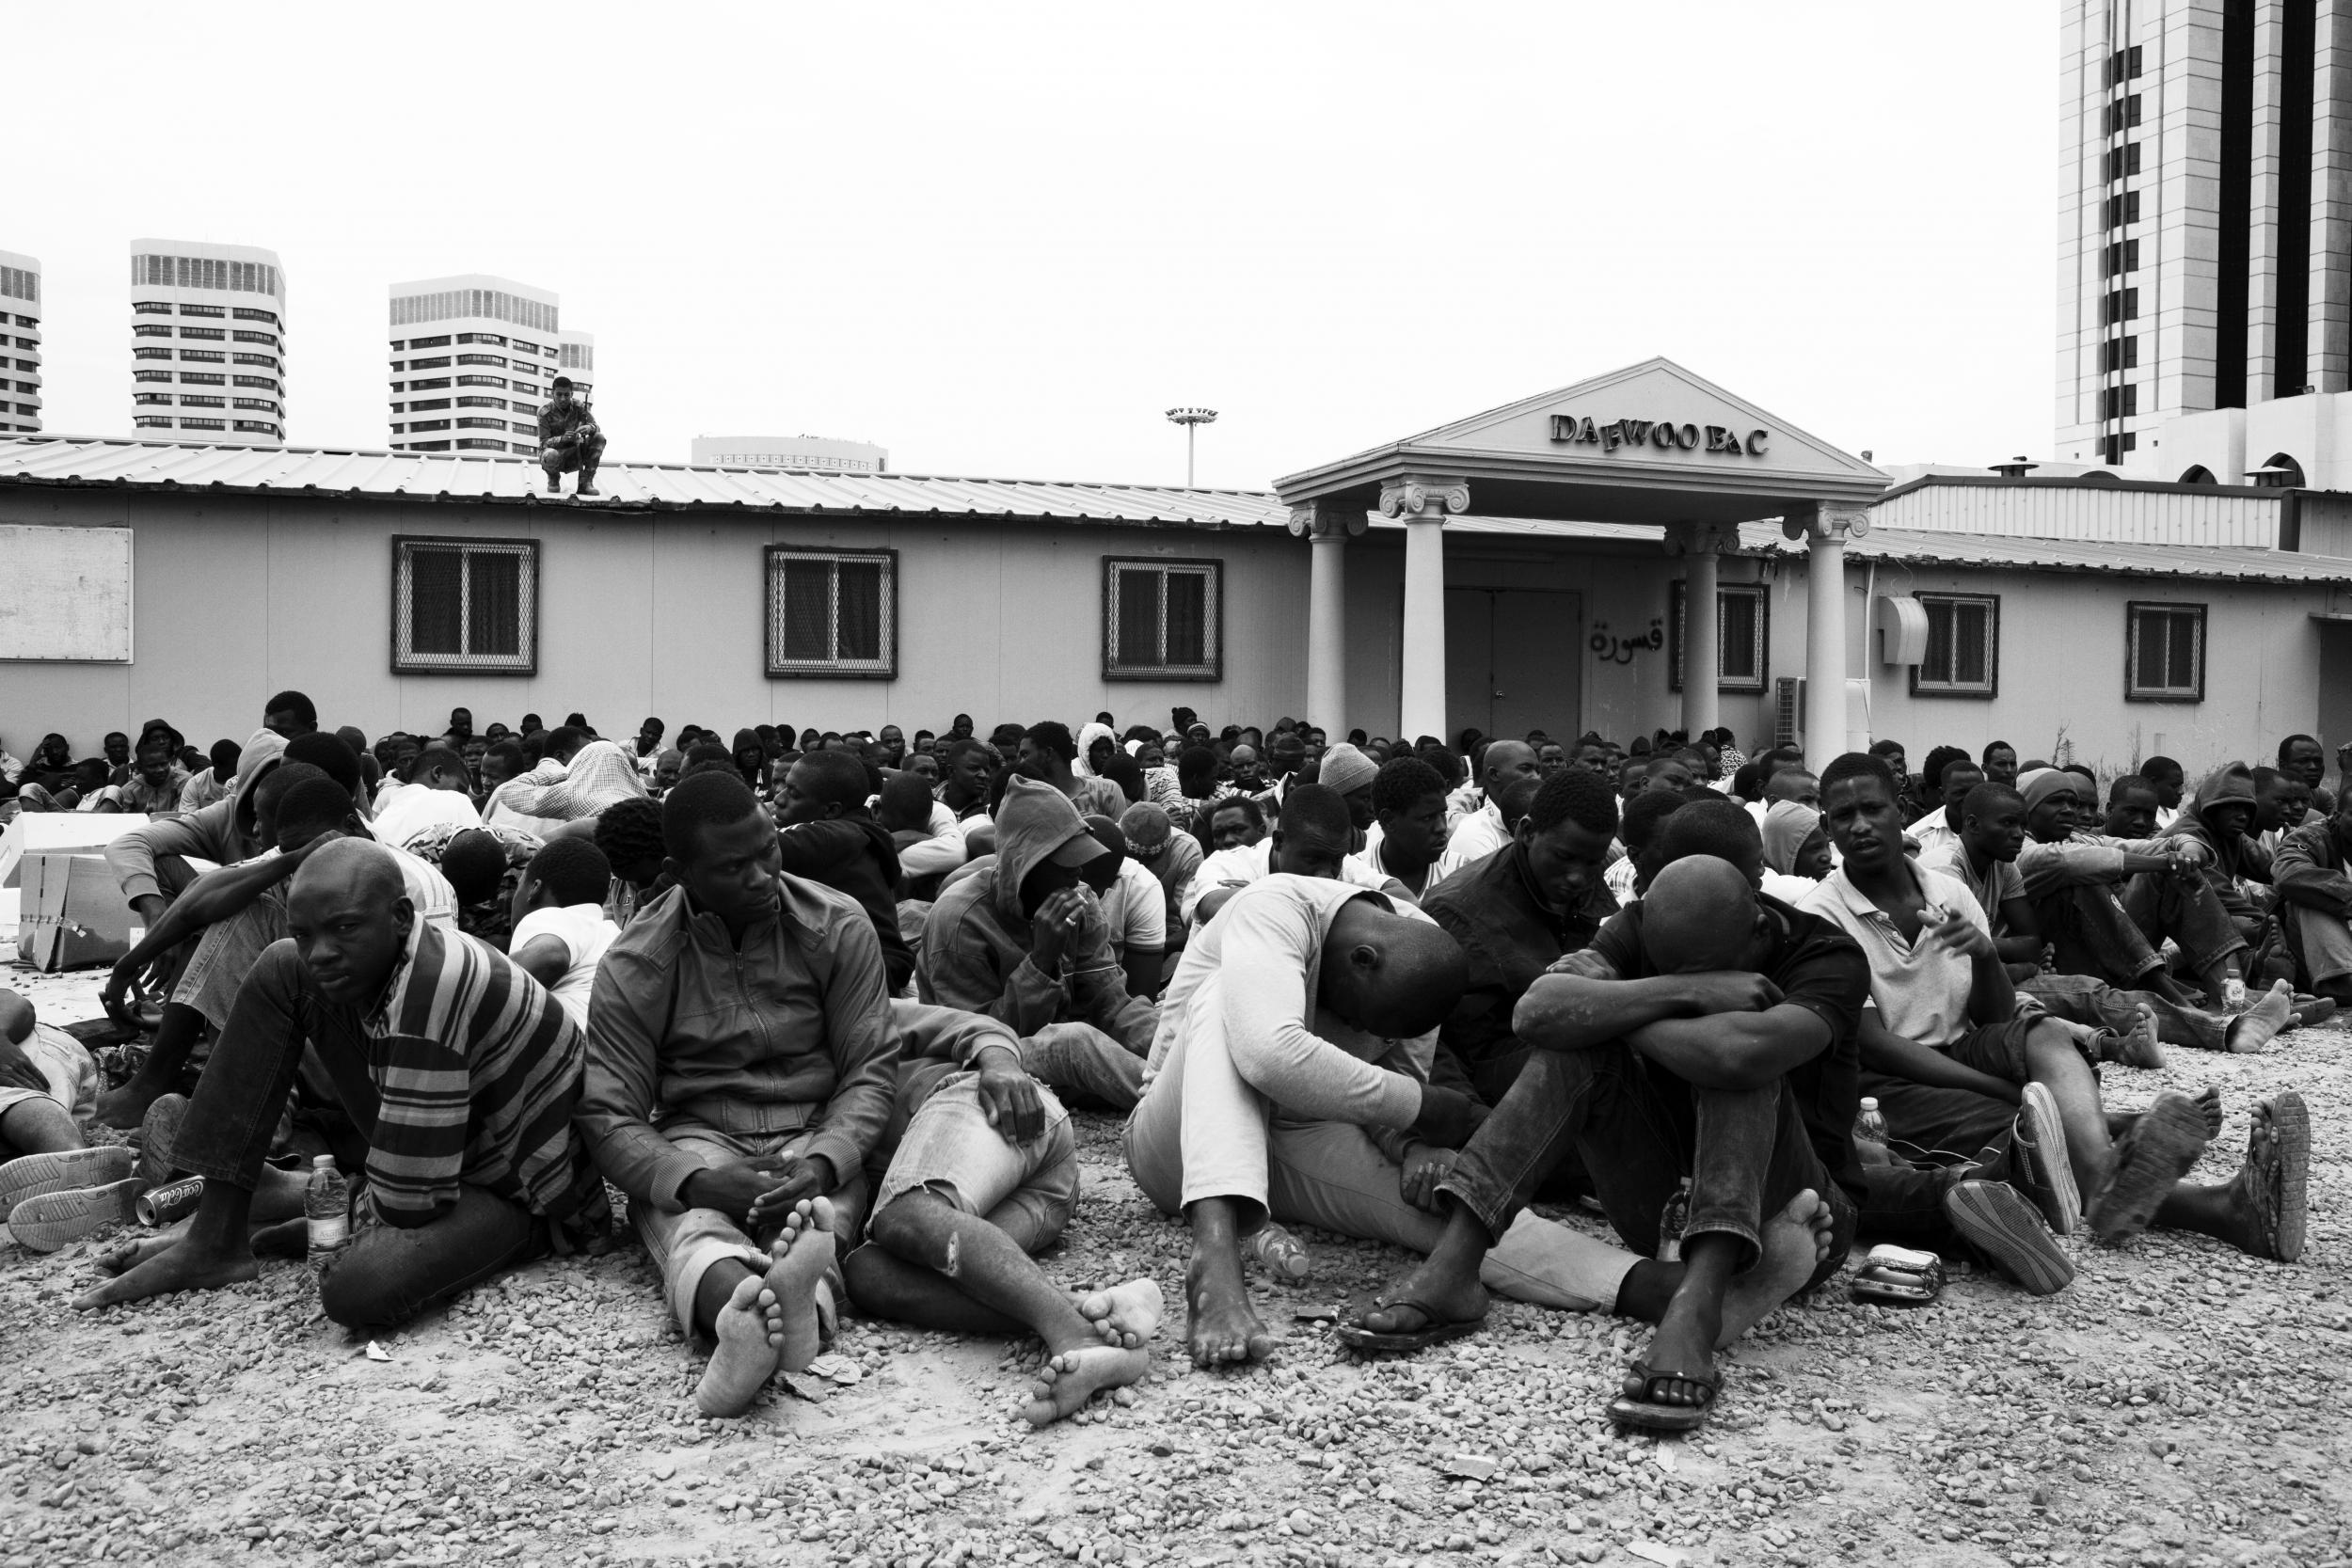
x=1417, y=499
x=1325, y=520
x=1827, y=521
x=1702, y=538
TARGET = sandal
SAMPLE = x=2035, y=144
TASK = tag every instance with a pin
x=2278, y=1160
x=1642, y=1403
x=2152, y=1156
x=1434, y=1331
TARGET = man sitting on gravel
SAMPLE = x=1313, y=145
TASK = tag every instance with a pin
x=1708, y=1019
x=746, y=1008
x=54, y=1185
x=1948, y=1052
x=460, y=1073
x=984, y=1175
x=2316, y=896
x=1291, y=1081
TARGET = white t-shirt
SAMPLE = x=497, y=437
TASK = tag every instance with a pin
x=416, y=808
x=586, y=932
x=1136, y=911
x=1251, y=862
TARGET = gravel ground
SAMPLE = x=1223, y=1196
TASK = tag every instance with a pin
x=2179, y=1404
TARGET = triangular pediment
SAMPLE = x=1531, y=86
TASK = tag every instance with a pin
x=1654, y=411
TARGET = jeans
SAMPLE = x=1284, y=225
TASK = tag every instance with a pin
x=388, y=1274
x=1203, y=1131
x=1939, y=1126
x=2086, y=999
x=950, y=1151
x=685, y=1244
x=1641, y=1131
x=1091, y=1067
x=2112, y=932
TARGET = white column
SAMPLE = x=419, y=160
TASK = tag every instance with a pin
x=1423, y=504
x=1824, y=530
x=1702, y=651
x=1327, y=527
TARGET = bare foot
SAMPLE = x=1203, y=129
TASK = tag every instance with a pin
x=126, y=1107
x=1066, y=1381
x=130, y=1255
x=2256, y=1027
x=1426, y=1296
x=2137, y=1046
x=1125, y=1315
x=1224, y=1327
x=2208, y=1101
x=1796, y=1241
x=179, y=1267
x=798, y=1276
x=748, y=1333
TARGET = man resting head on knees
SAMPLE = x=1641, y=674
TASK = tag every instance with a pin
x=1704, y=1009
x=475, y=1157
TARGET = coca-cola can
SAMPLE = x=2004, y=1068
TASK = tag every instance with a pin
x=174, y=1201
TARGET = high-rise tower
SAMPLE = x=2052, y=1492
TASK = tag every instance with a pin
x=472, y=361
x=208, y=342
x=20, y=343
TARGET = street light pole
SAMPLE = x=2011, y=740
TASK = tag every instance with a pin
x=1192, y=420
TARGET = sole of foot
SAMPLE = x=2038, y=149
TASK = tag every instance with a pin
x=159, y=1132
x=1126, y=1315
x=1795, y=1243
x=1066, y=1381
x=2137, y=1046
x=2150, y=1159
x=2007, y=1230
x=745, y=1357
x=800, y=1268
x=50, y=1220
x=2045, y=1171
x=61, y=1170
x=2276, y=1173
x=2254, y=1029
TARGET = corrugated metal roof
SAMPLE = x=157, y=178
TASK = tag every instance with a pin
x=43, y=460
x=459, y=476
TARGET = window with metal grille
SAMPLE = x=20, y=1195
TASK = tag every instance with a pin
x=1963, y=656
x=833, y=613
x=1742, y=626
x=465, y=605
x=1162, y=620
x=2164, y=653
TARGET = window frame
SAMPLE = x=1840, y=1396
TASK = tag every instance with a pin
x=1991, y=686
x=526, y=662
x=2133, y=690
x=772, y=649
x=1209, y=671
x=1762, y=683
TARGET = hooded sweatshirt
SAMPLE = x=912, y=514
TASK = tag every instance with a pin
x=976, y=940
x=854, y=854
x=2227, y=858
x=222, y=833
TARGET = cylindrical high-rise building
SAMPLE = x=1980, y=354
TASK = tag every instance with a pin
x=208, y=342
x=471, y=359
x=20, y=343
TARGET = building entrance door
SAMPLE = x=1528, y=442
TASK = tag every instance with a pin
x=1511, y=662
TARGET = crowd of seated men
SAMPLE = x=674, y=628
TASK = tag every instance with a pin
x=809, y=1011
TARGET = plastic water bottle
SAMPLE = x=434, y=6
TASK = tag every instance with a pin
x=326, y=1202
x=1870, y=1132
x=2233, y=994
x=1671, y=1222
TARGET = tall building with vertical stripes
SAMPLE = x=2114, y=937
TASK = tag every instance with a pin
x=208, y=342
x=20, y=343
x=472, y=359
x=2205, y=214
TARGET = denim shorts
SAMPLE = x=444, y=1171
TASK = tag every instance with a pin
x=951, y=1150
x=1998, y=1050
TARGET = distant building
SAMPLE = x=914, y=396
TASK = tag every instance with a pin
x=2205, y=217
x=20, y=343
x=472, y=361
x=812, y=452
x=577, y=358
x=208, y=342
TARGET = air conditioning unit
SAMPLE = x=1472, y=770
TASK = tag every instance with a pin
x=1901, y=624
x=1789, y=710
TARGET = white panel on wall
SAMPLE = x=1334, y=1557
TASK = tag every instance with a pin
x=65, y=594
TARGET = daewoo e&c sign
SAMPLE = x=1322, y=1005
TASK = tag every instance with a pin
x=1664, y=436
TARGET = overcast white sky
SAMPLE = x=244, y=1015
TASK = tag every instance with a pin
x=1001, y=239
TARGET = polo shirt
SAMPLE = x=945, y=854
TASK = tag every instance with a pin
x=1920, y=994
x=2000, y=883
x=1816, y=967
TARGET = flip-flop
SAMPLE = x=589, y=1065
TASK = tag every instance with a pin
x=2280, y=1167
x=2151, y=1157
x=159, y=1131
x=50, y=1220
x=2048, y=1173
x=2313, y=1010
x=1635, y=1408
x=61, y=1170
x=1436, y=1331
x=2005, y=1230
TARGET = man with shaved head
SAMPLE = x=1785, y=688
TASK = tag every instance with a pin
x=459, y=1071
x=1478, y=830
x=1706, y=1033
x=1292, y=1082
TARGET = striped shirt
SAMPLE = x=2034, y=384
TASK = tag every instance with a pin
x=477, y=1073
